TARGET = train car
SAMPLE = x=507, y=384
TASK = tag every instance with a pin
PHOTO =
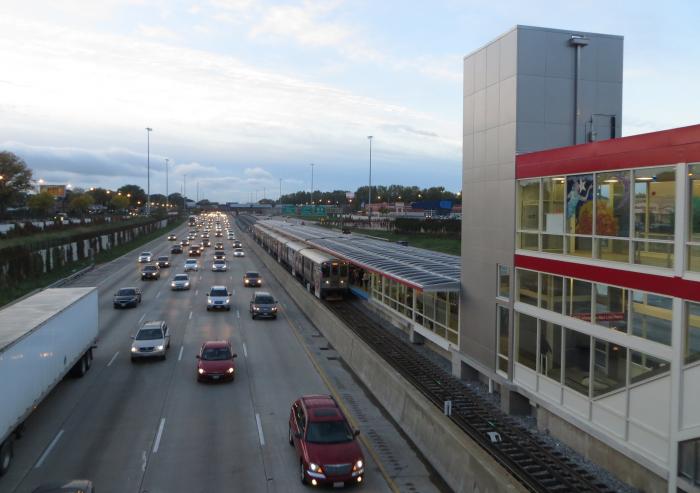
x=327, y=276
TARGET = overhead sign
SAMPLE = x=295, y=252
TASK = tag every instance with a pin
x=55, y=190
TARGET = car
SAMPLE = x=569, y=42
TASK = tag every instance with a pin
x=219, y=245
x=145, y=257
x=195, y=251
x=163, y=261
x=152, y=340
x=69, y=486
x=185, y=242
x=176, y=249
x=219, y=265
x=218, y=298
x=219, y=255
x=206, y=242
x=263, y=304
x=125, y=297
x=215, y=362
x=252, y=279
x=172, y=237
x=230, y=236
x=326, y=444
x=219, y=234
x=237, y=244
x=180, y=282
x=191, y=264
x=150, y=271
x=238, y=252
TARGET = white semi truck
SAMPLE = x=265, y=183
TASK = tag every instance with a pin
x=42, y=339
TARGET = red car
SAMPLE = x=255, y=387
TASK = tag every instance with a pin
x=326, y=444
x=215, y=362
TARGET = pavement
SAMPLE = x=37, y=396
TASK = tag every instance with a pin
x=150, y=427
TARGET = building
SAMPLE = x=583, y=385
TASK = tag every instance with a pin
x=581, y=263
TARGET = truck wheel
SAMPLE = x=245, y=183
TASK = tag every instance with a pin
x=80, y=368
x=5, y=455
x=88, y=358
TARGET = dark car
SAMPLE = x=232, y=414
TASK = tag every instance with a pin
x=126, y=297
x=263, y=305
x=325, y=443
x=219, y=245
x=219, y=255
x=163, y=261
x=172, y=237
x=69, y=486
x=237, y=244
x=176, y=249
x=206, y=242
x=150, y=271
x=195, y=251
x=252, y=279
x=215, y=362
x=185, y=242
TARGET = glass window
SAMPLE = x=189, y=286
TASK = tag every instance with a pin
x=578, y=299
x=692, y=333
x=552, y=243
x=654, y=202
x=579, y=246
x=503, y=281
x=577, y=353
x=441, y=308
x=552, y=292
x=528, y=241
x=529, y=201
x=409, y=297
x=613, y=250
x=694, y=217
x=429, y=305
x=689, y=460
x=609, y=367
x=454, y=311
x=651, y=317
x=643, y=366
x=613, y=204
x=526, y=340
x=579, y=204
x=694, y=258
x=652, y=253
x=611, y=307
x=553, y=205
x=527, y=286
x=452, y=336
x=503, y=317
x=550, y=350
x=419, y=307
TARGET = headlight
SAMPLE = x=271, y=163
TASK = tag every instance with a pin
x=328, y=282
x=134, y=349
x=160, y=347
x=201, y=371
x=227, y=300
x=172, y=284
x=358, y=465
x=187, y=284
x=256, y=308
x=209, y=301
x=230, y=370
x=274, y=308
x=315, y=468
x=247, y=281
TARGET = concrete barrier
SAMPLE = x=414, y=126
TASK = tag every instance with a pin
x=463, y=464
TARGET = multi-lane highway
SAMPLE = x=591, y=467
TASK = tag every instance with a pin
x=149, y=426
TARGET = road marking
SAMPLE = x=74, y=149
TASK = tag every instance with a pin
x=233, y=292
x=245, y=350
x=196, y=292
x=113, y=358
x=48, y=450
x=260, y=432
x=190, y=316
x=200, y=277
x=160, y=434
x=144, y=461
x=182, y=348
x=158, y=295
x=238, y=314
x=142, y=317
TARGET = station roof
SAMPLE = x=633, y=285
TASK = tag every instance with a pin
x=419, y=268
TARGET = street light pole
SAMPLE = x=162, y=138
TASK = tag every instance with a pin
x=148, y=160
x=167, y=198
x=184, y=185
x=280, y=199
x=369, y=201
x=312, y=182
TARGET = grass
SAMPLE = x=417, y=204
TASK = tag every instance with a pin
x=453, y=246
x=68, y=232
x=11, y=293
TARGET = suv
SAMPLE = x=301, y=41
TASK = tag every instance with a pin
x=206, y=242
x=252, y=279
x=180, y=282
x=176, y=249
x=127, y=297
x=219, y=265
x=151, y=341
x=218, y=298
x=219, y=255
x=191, y=264
x=163, y=261
x=195, y=251
x=145, y=257
x=219, y=245
x=150, y=271
x=263, y=305
x=215, y=361
x=325, y=443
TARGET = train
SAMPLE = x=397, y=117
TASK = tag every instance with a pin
x=325, y=275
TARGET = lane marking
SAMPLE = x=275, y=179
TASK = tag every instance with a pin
x=158, y=295
x=113, y=358
x=245, y=350
x=179, y=357
x=190, y=317
x=48, y=450
x=238, y=314
x=159, y=435
x=233, y=292
x=260, y=432
x=196, y=292
x=144, y=461
x=142, y=317
x=200, y=277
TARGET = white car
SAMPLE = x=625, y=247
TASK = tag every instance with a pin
x=219, y=266
x=145, y=257
x=238, y=252
x=151, y=341
x=191, y=264
x=218, y=298
x=179, y=282
x=230, y=236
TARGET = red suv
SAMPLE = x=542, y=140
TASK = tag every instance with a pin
x=215, y=361
x=328, y=451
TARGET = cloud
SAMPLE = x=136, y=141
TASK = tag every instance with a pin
x=157, y=32
x=257, y=173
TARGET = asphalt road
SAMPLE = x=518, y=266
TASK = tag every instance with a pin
x=149, y=426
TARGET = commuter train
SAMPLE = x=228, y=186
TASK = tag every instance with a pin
x=327, y=276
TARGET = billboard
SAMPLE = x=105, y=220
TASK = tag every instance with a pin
x=55, y=190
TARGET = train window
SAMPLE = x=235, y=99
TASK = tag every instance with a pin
x=343, y=270
x=325, y=270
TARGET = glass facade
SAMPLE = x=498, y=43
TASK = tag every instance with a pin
x=692, y=334
x=577, y=360
x=503, y=281
x=502, y=320
x=693, y=244
x=689, y=460
x=526, y=340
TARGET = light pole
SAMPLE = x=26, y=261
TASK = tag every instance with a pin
x=312, y=183
x=148, y=160
x=184, y=185
x=280, y=199
x=167, y=198
x=369, y=201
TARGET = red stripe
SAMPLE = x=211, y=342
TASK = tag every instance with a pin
x=669, y=286
x=679, y=145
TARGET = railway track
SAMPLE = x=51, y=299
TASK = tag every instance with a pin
x=536, y=464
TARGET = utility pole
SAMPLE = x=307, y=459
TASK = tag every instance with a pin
x=369, y=201
x=280, y=199
x=197, y=191
x=148, y=161
x=312, y=183
x=185, y=194
x=167, y=198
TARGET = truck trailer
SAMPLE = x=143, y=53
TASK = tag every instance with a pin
x=43, y=338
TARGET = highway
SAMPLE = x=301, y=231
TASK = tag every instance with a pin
x=149, y=426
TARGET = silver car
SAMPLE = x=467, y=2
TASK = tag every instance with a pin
x=191, y=264
x=238, y=252
x=218, y=298
x=145, y=257
x=151, y=341
x=219, y=266
x=180, y=282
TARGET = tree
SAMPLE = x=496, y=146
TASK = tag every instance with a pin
x=176, y=200
x=80, y=203
x=119, y=202
x=15, y=178
x=100, y=196
x=41, y=203
x=157, y=198
x=134, y=193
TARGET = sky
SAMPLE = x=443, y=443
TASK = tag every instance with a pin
x=243, y=95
